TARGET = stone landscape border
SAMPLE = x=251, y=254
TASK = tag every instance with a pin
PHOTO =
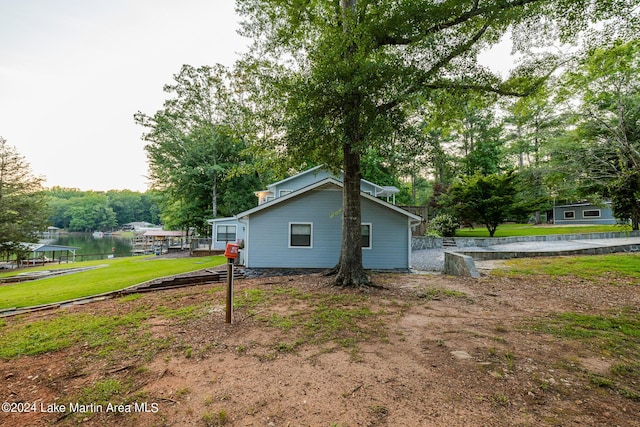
x=423, y=242
x=462, y=262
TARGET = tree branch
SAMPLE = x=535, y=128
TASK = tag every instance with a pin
x=437, y=66
x=462, y=48
x=486, y=88
x=475, y=11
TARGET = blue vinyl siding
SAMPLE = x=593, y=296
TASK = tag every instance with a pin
x=389, y=237
x=368, y=188
x=268, y=236
x=606, y=215
x=311, y=177
x=300, y=181
x=268, y=239
x=220, y=245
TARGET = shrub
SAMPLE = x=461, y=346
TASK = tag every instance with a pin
x=444, y=224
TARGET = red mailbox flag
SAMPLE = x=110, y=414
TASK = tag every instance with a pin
x=231, y=251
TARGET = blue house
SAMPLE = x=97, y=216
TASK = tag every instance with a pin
x=313, y=175
x=583, y=213
x=226, y=230
x=298, y=224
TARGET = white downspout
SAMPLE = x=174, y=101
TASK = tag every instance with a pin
x=409, y=245
x=245, y=223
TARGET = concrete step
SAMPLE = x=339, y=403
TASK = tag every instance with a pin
x=448, y=242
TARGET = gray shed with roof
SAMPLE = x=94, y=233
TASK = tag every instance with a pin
x=583, y=213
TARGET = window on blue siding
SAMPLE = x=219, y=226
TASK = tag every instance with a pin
x=569, y=214
x=226, y=233
x=365, y=233
x=592, y=213
x=300, y=235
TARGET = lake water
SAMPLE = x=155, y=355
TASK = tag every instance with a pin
x=92, y=247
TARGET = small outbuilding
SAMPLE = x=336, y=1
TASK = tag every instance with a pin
x=159, y=241
x=584, y=213
x=226, y=230
x=39, y=252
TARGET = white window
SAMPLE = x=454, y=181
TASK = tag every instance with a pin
x=300, y=235
x=226, y=233
x=365, y=233
x=569, y=214
x=591, y=213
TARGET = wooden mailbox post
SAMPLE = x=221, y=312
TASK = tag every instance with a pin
x=231, y=253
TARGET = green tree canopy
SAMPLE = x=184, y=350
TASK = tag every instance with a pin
x=334, y=78
x=91, y=213
x=76, y=210
x=602, y=153
x=487, y=199
x=23, y=211
x=193, y=157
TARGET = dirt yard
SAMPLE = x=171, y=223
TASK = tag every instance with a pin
x=420, y=350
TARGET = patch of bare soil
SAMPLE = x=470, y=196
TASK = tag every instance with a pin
x=429, y=350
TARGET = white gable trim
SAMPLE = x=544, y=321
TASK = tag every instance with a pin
x=378, y=188
x=286, y=197
x=324, y=182
x=213, y=221
x=275, y=184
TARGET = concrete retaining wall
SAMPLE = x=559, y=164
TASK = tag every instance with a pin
x=604, y=250
x=423, y=242
x=457, y=264
x=419, y=243
x=462, y=263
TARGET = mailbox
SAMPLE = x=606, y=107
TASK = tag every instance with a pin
x=231, y=251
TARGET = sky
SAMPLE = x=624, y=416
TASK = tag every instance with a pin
x=74, y=72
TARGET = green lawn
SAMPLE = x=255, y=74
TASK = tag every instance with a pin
x=586, y=267
x=117, y=273
x=508, y=230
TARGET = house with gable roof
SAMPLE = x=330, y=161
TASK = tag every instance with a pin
x=584, y=213
x=298, y=224
x=313, y=175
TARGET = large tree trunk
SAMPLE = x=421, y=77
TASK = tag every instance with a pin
x=350, y=271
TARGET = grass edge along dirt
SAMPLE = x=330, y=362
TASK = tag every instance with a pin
x=103, y=334
x=614, y=336
x=63, y=331
x=341, y=319
x=116, y=274
x=621, y=265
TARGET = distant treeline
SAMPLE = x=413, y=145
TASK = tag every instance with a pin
x=85, y=211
